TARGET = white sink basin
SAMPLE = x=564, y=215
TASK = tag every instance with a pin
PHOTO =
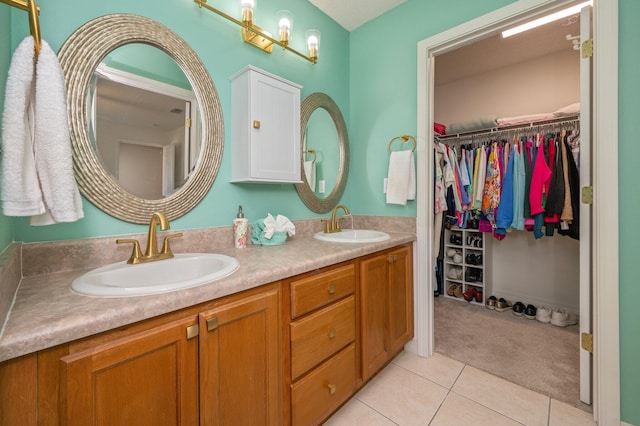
x=353, y=236
x=182, y=271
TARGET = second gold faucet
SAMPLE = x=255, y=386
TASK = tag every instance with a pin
x=151, y=253
x=333, y=225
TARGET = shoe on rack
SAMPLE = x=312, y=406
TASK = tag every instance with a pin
x=478, y=296
x=451, y=289
x=502, y=305
x=518, y=309
x=470, y=294
x=457, y=292
x=562, y=318
x=530, y=312
x=544, y=314
x=491, y=302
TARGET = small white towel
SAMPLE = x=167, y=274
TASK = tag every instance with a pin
x=401, y=180
x=52, y=145
x=310, y=174
x=19, y=187
x=280, y=223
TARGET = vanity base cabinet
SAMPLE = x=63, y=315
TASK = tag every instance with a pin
x=148, y=378
x=386, y=307
x=240, y=358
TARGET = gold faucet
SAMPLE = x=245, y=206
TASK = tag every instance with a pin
x=333, y=225
x=151, y=253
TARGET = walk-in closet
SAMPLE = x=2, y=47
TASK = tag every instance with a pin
x=507, y=156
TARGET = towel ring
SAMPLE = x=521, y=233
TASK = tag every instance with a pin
x=405, y=139
x=312, y=152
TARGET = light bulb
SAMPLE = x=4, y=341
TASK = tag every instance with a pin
x=285, y=23
x=247, y=11
x=313, y=43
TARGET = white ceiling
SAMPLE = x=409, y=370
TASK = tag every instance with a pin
x=353, y=13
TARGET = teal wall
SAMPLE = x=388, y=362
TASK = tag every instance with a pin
x=629, y=153
x=6, y=236
x=218, y=43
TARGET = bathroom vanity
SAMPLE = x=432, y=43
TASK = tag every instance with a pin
x=284, y=341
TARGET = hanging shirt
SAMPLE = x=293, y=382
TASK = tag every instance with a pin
x=504, y=216
x=492, y=186
x=518, y=187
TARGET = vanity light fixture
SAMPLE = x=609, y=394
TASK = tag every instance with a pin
x=546, y=19
x=262, y=39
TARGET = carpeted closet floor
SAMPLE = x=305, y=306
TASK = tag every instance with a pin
x=541, y=357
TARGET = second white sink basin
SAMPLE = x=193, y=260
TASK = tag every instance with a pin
x=353, y=236
x=182, y=271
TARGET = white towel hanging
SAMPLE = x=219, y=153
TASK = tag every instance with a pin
x=401, y=179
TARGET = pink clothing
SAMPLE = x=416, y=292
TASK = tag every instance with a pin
x=540, y=180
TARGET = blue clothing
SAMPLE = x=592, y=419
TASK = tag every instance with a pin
x=504, y=216
x=519, y=177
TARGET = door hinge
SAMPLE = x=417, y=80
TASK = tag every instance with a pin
x=587, y=48
x=587, y=342
x=587, y=195
x=188, y=123
x=193, y=331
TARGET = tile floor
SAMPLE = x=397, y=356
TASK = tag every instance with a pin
x=440, y=391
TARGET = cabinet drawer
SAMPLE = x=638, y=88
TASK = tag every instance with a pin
x=313, y=292
x=324, y=389
x=320, y=335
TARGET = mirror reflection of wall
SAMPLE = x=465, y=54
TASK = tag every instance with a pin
x=322, y=137
x=143, y=120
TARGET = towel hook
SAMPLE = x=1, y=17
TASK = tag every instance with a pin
x=405, y=139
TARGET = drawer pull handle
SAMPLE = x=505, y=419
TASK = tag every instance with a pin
x=332, y=288
x=212, y=323
x=332, y=333
x=332, y=388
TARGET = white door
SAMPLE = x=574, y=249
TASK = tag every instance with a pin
x=585, y=209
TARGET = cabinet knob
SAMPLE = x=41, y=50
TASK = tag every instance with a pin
x=332, y=388
x=256, y=124
x=332, y=333
x=332, y=288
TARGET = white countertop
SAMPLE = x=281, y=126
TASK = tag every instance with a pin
x=46, y=313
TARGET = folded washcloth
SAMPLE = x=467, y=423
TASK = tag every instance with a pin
x=401, y=180
x=279, y=224
x=19, y=187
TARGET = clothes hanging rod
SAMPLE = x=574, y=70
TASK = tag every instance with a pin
x=498, y=130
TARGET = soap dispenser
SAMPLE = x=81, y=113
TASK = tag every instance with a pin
x=240, y=226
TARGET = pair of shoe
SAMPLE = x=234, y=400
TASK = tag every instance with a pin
x=474, y=241
x=455, y=290
x=455, y=273
x=473, y=275
x=528, y=311
x=455, y=239
x=562, y=318
x=499, y=305
x=454, y=255
x=471, y=294
x=473, y=259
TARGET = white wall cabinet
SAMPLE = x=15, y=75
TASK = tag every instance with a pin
x=265, y=128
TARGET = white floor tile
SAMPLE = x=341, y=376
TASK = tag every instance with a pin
x=460, y=411
x=355, y=413
x=402, y=396
x=437, y=368
x=511, y=400
x=565, y=415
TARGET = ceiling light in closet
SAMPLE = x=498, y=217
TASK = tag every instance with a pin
x=546, y=19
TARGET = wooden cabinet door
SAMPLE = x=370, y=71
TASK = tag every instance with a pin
x=400, y=298
x=240, y=374
x=374, y=279
x=148, y=378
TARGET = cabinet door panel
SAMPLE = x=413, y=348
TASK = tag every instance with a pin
x=240, y=362
x=400, y=299
x=148, y=378
x=374, y=314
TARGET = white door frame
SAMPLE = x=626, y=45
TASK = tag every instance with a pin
x=606, y=361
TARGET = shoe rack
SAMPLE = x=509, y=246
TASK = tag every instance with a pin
x=466, y=269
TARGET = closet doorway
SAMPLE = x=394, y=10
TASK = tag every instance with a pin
x=476, y=30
